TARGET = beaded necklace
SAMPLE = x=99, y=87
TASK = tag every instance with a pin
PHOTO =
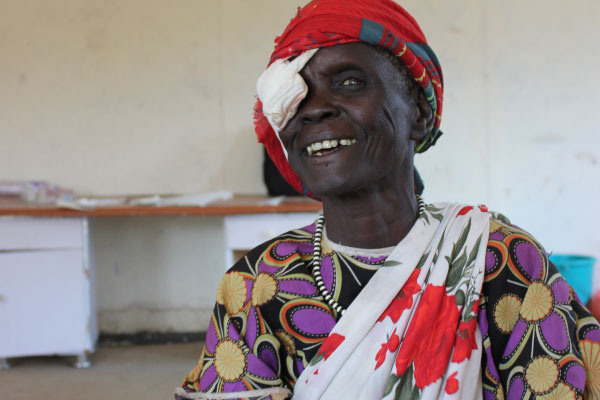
x=317, y=256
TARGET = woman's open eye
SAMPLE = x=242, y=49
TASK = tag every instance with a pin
x=351, y=82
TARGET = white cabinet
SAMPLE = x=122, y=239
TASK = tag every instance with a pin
x=47, y=298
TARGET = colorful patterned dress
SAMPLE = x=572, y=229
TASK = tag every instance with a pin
x=270, y=321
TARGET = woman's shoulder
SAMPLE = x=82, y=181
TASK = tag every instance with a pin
x=518, y=244
x=502, y=227
x=510, y=246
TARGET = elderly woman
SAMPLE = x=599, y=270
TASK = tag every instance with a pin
x=384, y=296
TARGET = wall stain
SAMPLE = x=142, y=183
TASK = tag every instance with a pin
x=549, y=138
x=589, y=157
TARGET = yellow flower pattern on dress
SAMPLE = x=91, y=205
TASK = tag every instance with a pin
x=231, y=292
x=264, y=289
x=194, y=374
x=591, y=360
x=499, y=395
x=537, y=303
x=506, y=312
x=230, y=361
x=560, y=392
x=287, y=341
x=541, y=374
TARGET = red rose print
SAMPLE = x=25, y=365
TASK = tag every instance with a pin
x=465, y=341
x=464, y=210
x=391, y=345
x=465, y=338
x=393, y=342
x=475, y=308
x=430, y=337
x=483, y=208
x=452, y=384
x=330, y=344
x=403, y=300
x=380, y=356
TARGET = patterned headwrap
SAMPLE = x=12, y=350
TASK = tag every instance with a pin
x=383, y=23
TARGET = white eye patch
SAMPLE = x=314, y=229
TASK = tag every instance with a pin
x=280, y=88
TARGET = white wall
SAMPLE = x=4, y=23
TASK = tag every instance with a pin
x=139, y=96
x=520, y=114
x=157, y=273
x=133, y=96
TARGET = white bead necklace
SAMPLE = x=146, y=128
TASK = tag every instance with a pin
x=317, y=257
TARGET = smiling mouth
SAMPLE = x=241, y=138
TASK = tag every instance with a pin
x=324, y=147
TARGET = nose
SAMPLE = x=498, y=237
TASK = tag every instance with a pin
x=316, y=108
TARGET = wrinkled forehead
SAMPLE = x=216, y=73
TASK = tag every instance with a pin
x=350, y=55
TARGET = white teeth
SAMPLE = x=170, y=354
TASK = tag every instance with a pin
x=314, y=148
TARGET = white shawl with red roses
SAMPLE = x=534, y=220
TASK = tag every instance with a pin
x=412, y=331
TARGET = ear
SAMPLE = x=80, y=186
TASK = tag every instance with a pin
x=423, y=117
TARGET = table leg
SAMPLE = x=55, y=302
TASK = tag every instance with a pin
x=82, y=361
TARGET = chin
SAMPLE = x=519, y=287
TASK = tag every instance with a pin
x=333, y=187
x=327, y=187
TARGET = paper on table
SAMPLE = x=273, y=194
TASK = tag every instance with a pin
x=90, y=203
x=145, y=201
x=198, y=200
x=12, y=188
x=274, y=201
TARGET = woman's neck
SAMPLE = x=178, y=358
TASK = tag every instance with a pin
x=371, y=218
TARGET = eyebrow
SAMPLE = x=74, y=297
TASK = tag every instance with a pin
x=342, y=66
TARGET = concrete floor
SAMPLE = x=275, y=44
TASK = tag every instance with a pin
x=148, y=372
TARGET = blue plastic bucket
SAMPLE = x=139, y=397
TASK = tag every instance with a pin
x=578, y=271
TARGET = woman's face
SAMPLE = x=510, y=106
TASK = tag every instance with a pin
x=356, y=126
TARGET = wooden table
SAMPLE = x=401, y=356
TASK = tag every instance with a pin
x=239, y=204
x=45, y=249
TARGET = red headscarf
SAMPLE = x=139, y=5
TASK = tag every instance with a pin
x=383, y=23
